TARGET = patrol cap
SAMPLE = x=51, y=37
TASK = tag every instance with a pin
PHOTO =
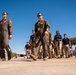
x=39, y=14
x=4, y=13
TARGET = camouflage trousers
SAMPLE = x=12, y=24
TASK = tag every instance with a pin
x=40, y=52
x=49, y=51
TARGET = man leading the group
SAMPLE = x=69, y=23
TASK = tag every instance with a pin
x=40, y=31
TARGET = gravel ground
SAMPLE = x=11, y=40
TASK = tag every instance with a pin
x=23, y=66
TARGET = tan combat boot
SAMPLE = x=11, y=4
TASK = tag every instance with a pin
x=33, y=57
x=44, y=59
x=0, y=59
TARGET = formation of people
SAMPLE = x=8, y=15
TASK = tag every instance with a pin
x=5, y=36
x=42, y=45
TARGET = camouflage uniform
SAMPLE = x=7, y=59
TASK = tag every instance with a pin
x=40, y=52
x=48, y=39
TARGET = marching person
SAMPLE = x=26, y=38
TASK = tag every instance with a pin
x=66, y=46
x=40, y=30
x=48, y=39
x=28, y=51
x=58, y=44
x=6, y=34
x=32, y=41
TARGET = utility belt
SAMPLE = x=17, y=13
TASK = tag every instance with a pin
x=58, y=40
x=66, y=44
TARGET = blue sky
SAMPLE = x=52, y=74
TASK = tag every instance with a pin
x=60, y=14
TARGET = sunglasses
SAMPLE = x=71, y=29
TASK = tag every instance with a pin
x=39, y=15
x=4, y=14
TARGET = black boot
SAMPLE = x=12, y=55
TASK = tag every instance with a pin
x=2, y=54
x=9, y=55
x=9, y=52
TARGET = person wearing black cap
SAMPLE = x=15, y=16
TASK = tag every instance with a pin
x=6, y=33
x=40, y=30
